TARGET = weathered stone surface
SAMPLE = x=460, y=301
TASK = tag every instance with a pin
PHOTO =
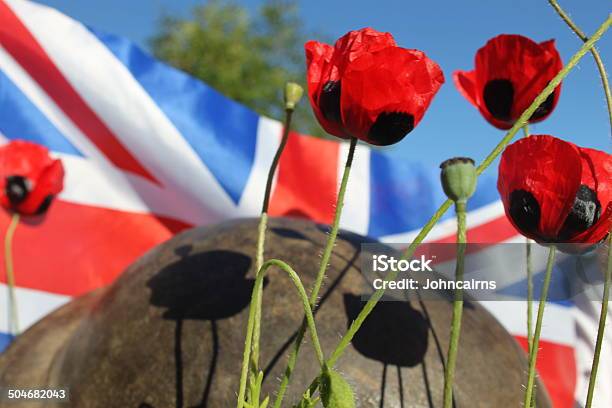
x=170, y=331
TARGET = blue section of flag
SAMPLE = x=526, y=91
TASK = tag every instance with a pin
x=404, y=195
x=5, y=340
x=486, y=192
x=395, y=187
x=559, y=292
x=20, y=119
x=222, y=132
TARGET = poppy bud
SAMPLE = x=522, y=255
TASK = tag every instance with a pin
x=458, y=178
x=293, y=94
x=335, y=391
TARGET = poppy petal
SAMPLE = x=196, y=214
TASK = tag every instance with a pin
x=542, y=68
x=28, y=175
x=598, y=232
x=597, y=173
x=387, y=93
x=538, y=180
x=589, y=219
x=48, y=185
x=356, y=43
x=465, y=81
x=323, y=86
x=510, y=71
x=23, y=158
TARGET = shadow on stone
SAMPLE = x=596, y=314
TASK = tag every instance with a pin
x=289, y=233
x=394, y=333
x=206, y=286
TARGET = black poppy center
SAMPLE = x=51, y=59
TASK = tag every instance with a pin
x=525, y=211
x=584, y=213
x=498, y=97
x=390, y=128
x=17, y=189
x=545, y=107
x=44, y=206
x=329, y=101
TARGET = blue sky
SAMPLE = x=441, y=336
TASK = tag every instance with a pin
x=450, y=32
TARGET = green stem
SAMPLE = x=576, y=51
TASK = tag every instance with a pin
x=598, y=61
x=526, y=130
x=533, y=355
x=314, y=294
x=331, y=240
x=453, y=346
x=529, y=278
x=602, y=325
x=369, y=306
x=10, y=273
x=529, y=295
x=604, y=306
x=277, y=156
x=261, y=237
x=251, y=322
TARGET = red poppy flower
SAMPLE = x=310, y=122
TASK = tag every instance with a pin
x=511, y=70
x=367, y=87
x=556, y=192
x=29, y=177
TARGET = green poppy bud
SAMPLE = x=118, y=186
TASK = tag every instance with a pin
x=458, y=178
x=293, y=94
x=335, y=391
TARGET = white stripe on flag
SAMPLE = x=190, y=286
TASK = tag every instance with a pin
x=130, y=113
x=31, y=304
x=268, y=139
x=122, y=196
x=557, y=326
x=356, y=212
x=448, y=227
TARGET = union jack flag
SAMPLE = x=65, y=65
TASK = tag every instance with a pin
x=150, y=151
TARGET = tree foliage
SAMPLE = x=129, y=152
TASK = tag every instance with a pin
x=247, y=57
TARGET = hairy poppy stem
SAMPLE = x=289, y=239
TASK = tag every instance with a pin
x=10, y=274
x=533, y=355
x=409, y=252
x=314, y=294
x=261, y=237
x=529, y=269
x=529, y=266
x=604, y=306
x=252, y=317
x=598, y=61
x=602, y=325
x=453, y=346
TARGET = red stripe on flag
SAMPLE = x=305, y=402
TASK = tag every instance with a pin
x=77, y=248
x=480, y=237
x=307, y=179
x=21, y=44
x=491, y=232
x=557, y=368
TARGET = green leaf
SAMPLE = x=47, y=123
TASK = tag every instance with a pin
x=335, y=391
x=307, y=401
